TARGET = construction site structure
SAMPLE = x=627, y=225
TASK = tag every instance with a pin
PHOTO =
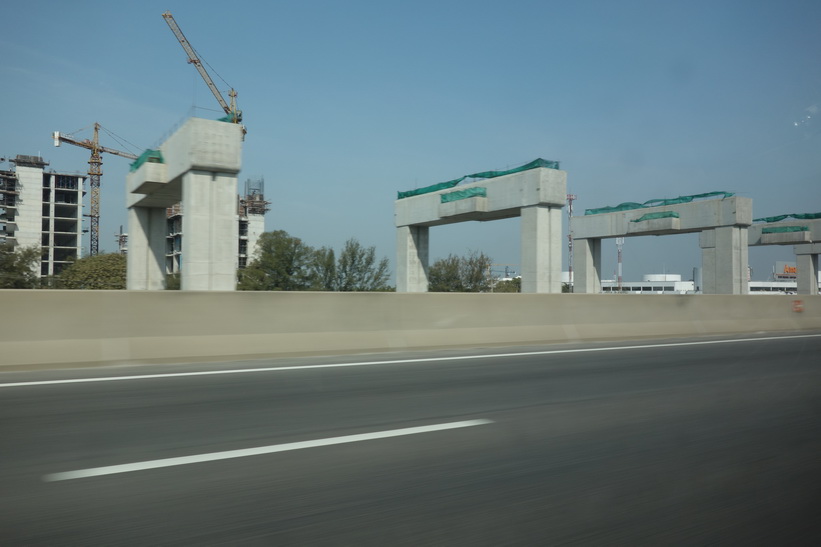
x=251, y=209
x=42, y=209
x=95, y=172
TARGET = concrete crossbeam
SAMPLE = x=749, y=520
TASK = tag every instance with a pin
x=537, y=195
x=506, y=196
x=692, y=217
x=756, y=235
x=722, y=224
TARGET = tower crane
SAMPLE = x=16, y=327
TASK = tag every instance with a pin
x=233, y=114
x=95, y=171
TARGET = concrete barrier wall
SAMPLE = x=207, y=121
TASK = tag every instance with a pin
x=46, y=327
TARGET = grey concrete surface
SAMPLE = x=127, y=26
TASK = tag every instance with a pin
x=65, y=327
x=697, y=444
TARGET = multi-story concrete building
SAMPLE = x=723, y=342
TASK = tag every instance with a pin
x=42, y=209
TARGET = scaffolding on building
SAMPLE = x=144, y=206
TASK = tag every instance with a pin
x=252, y=202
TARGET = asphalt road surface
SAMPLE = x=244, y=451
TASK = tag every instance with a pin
x=680, y=442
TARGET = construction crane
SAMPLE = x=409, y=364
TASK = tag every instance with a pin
x=233, y=115
x=95, y=171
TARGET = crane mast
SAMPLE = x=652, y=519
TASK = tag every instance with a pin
x=95, y=171
x=234, y=115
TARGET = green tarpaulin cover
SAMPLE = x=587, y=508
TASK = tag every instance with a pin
x=784, y=229
x=463, y=194
x=652, y=216
x=655, y=203
x=539, y=162
x=803, y=216
x=150, y=156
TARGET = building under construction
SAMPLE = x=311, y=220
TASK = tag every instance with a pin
x=251, y=209
x=44, y=209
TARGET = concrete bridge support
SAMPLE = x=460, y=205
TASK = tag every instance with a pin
x=587, y=265
x=537, y=195
x=412, y=250
x=541, y=237
x=722, y=224
x=146, y=248
x=806, y=257
x=197, y=167
x=724, y=260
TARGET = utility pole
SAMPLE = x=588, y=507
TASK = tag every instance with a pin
x=570, y=199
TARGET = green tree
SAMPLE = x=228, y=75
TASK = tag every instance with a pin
x=444, y=275
x=18, y=267
x=358, y=270
x=461, y=273
x=323, y=270
x=281, y=263
x=98, y=272
x=509, y=285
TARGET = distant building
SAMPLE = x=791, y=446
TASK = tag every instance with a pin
x=42, y=209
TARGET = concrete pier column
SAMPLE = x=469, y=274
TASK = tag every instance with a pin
x=806, y=262
x=541, y=240
x=209, y=222
x=724, y=260
x=146, y=249
x=587, y=265
x=412, y=248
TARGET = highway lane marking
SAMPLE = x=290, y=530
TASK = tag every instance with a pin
x=396, y=361
x=245, y=452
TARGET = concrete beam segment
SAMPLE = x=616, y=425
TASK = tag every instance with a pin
x=209, y=226
x=541, y=239
x=506, y=195
x=203, y=145
x=149, y=186
x=693, y=217
x=724, y=260
x=756, y=236
x=412, y=248
x=146, y=249
x=587, y=265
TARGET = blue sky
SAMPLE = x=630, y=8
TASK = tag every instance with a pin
x=347, y=103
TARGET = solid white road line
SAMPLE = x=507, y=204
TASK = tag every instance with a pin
x=242, y=453
x=397, y=361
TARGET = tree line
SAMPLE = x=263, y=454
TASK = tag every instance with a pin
x=286, y=263
x=281, y=262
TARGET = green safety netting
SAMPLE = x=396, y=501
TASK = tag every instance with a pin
x=230, y=118
x=463, y=194
x=539, y=162
x=784, y=229
x=804, y=216
x=653, y=216
x=655, y=203
x=150, y=156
